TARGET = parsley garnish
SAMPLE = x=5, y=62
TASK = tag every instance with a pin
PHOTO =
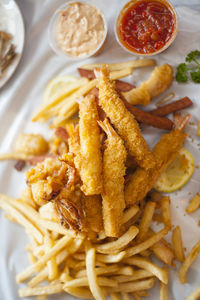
x=191, y=66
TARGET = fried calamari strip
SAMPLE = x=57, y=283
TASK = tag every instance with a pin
x=113, y=181
x=91, y=167
x=92, y=204
x=160, y=79
x=165, y=151
x=93, y=211
x=123, y=121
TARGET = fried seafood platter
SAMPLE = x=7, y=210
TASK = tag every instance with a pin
x=93, y=190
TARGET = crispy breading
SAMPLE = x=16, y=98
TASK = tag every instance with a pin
x=91, y=167
x=165, y=151
x=92, y=204
x=123, y=121
x=113, y=181
x=56, y=180
x=160, y=79
x=93, y=211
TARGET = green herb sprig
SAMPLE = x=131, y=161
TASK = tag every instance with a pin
x=191, y=66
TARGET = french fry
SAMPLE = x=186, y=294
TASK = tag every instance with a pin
x=178, y=244
x=83, y=293
x=109, y=259
x=136, y=296
x=138, y=63
x=165, y=207
x=42, y=297
x=21, y=219
x=40, y=263
x=15, y=156
x=60, y=97
x=83, y=281
x=138, y=274
x=120, y=243
x=128, y=271
x=71, y=106
x=51, y=264
x=99, y=271
x=163, y=252
x=42, y=275
x=192, y=255
x=54, y=226
x=134, y=286
x=120, y=85
x=142, y=293
x=130, y=213
x=146, y=220
x=115, y=296
x=194, y=204
x=195, y=295
x=145, y=264
x=41, y=290
x=92, y=278
x=147, y=244
x=163, y=291
x=125, y=296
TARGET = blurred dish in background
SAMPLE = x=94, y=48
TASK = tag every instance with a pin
x=11, y=39
x=146, y=27
x=77, y=30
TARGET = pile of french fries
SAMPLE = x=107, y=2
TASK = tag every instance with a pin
x=119, y=266
x=65, y=261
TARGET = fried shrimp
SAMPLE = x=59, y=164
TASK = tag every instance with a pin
x=123, y=121
x=90, y=147
x=160, y=79
x=165, y=151
x=113, y=180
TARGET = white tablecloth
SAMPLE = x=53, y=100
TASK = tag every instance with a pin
x=23, y=94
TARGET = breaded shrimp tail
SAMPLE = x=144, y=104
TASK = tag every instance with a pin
x=123, y=121
x=113, y=181
x=165, y=151
x=160, y=79
x=91, y=167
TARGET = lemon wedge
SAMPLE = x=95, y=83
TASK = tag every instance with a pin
x=56, y=85
x=177, y=174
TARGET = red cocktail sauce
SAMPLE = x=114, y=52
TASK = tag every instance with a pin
x=146, y=26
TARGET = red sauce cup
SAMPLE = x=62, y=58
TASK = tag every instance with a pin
x=146, y=27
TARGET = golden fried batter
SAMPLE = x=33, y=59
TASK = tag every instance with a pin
x=92, y=204
x=91, y=167
x=160, y=79
x=165, y=151
x=93, y=212
x=123, y=121
x=113, y=181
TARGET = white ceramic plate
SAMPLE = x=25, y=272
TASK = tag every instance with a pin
x=12, y=22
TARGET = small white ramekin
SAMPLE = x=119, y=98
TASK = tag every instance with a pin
x=117, y=24
x=52, y=34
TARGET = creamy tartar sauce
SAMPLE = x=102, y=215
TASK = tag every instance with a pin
x=80, y=29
